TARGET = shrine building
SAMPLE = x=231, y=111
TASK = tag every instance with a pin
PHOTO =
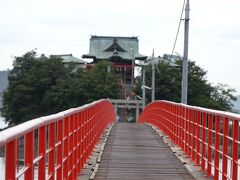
x=121, y=51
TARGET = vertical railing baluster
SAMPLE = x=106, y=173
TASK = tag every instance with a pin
x=60, y=149
x=190, y=130
x=235, y=150
x=198, y=131
x=65, y=148
x=70, y=148
x=42, y=152
x=10, y=155
x=78, y=142
x=209, y=157
x=225, y=148
x=187, y=142
x=29, y=155
x=198, y=137
x=51, y=154
x=204, y=123
x=65, y=141
x=217, y=148
x=82, y=136
x=194, y=132
x=75, y=146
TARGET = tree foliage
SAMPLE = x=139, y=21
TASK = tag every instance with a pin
x=101, y=84
x=42, y=86
x=200, y=91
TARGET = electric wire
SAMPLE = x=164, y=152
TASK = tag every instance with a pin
x=176, y=38
x=179, y=25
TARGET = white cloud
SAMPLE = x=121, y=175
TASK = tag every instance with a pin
x=64, y=26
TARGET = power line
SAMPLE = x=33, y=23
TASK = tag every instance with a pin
x=179, y=25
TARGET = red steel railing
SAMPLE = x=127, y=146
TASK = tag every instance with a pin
x=208, y=137
x=57, y=145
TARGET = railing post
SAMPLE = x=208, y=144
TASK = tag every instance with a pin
x=209, y=161
x=171, y=121
x=29, y=155
x=174, y=124
x=65, y=148
x=84, y=135
x=87, y=133
x=198, y=131
x=187, y=144
x=60, y=150
x=194, y=132
x=82, y=138
x=51, y=155
x=217, y=146
x=204, y=123
x=225, y=148
x=75, y=146
x=235, y=150
x=182, y=126
x=70, y=148
x=198, y=137
x=178, y=124
x=79, y=142
x=11, y=150
x=42, y=152
x=64, y=142
x=190, y=133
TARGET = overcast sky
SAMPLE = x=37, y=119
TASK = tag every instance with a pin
x=65, y=26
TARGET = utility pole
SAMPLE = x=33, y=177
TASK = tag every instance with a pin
x=133, y=64
x=153, y=77
x=143, y=86
x=185, y=57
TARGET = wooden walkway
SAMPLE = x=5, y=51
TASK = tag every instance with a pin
x=136, y=152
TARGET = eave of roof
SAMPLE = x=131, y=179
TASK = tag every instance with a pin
x=112, y=37
x=68, y=58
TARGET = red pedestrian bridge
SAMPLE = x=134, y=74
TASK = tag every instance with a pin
x=58, y=146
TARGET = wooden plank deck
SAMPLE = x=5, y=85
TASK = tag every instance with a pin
x=135, y=152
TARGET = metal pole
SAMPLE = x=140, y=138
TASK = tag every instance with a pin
x=125, y=82
x=153, y=77
x=143, y=88
x=137, y=111
x=185, y=57
x=133, y=63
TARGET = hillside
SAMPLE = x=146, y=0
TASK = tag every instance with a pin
x=236, y=105
x=3, y=83
x=3, y=80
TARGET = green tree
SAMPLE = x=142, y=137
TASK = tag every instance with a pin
x=42, y=86
x=101, y=83
x=81, y=87
x=200, y=91
x=29, y=81
x=68, y=92
x=167, y=82
x=223, y=97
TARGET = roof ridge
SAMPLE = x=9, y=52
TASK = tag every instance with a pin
x=118, y=37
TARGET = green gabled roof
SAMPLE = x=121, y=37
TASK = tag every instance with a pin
x=108, y=47
x=68, y=58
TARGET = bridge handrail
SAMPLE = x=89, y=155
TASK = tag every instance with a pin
x=202, y=109
x=209, y=137
x=21, y=129
x=76, y=128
